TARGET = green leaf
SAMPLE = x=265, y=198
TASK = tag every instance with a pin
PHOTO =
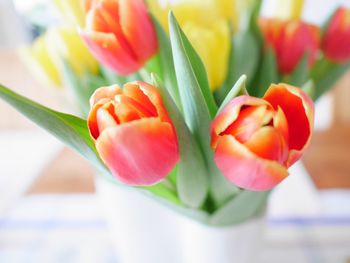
x=267, y=74
x=301, y=73
x=183, y=51
x=195, y=108
x=244, y=59
x=81, y=87
x=241, y=208
x=111, y=77
x=309, y=88
x=166, y=62
x=238, y=89
x=192, y=176
x=69, y=129
x=327, y=80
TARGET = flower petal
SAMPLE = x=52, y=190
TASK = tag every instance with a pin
x=299, y=112
x=242, y=167
x=141, y=152
x=105, y=93
x=137, y=28
x=230, y=113
x=103, y=45
x=269, y=144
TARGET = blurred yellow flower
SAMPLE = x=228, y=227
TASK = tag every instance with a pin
x=213, y=46
x=40, y=63
x=58, y=44
x=72, y=11
x=207, y=29
x=289, y=9
x=65, y=43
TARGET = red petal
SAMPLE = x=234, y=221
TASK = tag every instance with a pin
x=269, y=144
x=299, y=111
x=142, y=152
x=133, y=90
x=110, y=51
x=249, y=121
x=154, y=96
x=138, y=28
x=230, y=113
x=244, y=168
x=105, y=93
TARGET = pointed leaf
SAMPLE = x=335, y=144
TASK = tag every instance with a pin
x=69, y=129
x=195, y=108
x=300, y=74
x=238, y=89
x=244, y=59
x=166, y=62
x=192, y=177
x=195, y=65
x=327, y=80
x=267, y=74
x=241, y=208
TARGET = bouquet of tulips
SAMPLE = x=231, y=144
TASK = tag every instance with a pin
x=182, y=100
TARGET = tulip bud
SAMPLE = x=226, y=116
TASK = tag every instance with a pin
x=336, y=42
x=256, y=140
x=291, y=40
x=120, y=34
x=133, y=133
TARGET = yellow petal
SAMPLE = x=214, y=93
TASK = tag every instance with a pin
x=66, y=43
x=40, y=63
x=72, y=11
x=289, y=9
x=213, y=46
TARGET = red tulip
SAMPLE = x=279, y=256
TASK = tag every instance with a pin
x=120, y=34
x=290, y=40
x=336, y=42
x=256, y=140
x=133, y=133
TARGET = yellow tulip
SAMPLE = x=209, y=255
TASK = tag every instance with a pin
x=47, y=53
x=66, y=43
x=38, y=60
x=213, y=46
x=289, y=9
x=206, y=28
x=72, y=11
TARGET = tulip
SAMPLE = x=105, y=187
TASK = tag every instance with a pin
x=291, y=40
x=133, y=133
x=336, y=42
x=120, y=34
x=256, y=140
x=72, y=11
x=206, y=29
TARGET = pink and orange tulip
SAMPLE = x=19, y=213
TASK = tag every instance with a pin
x=290, y=40
x=120, y=34
x=336, y=42
x=133, y=133
x=256, y=140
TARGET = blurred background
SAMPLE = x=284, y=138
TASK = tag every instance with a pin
x=48, y=210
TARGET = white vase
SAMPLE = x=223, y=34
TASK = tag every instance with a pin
x=145, y=231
